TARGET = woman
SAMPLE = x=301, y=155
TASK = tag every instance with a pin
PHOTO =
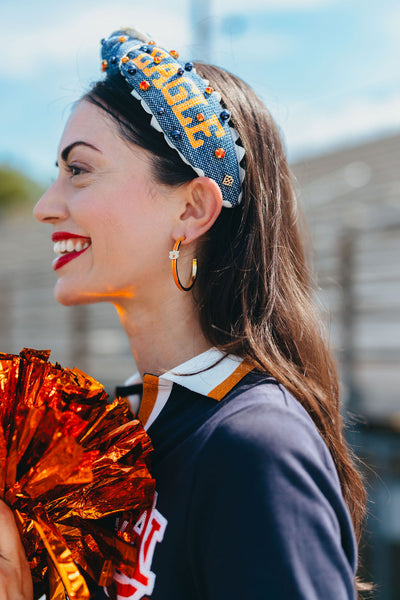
x=257, y=494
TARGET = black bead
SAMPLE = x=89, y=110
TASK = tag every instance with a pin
x=160, y=111
x=180, y=71
x=113, y=60
x=103, y=41
x=176, y=134
x=132, y=70
x=225, y=115
x=131, y=54
x=189, y=66
x=143, y=48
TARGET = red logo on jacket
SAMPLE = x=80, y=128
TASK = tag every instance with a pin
x=150, y=529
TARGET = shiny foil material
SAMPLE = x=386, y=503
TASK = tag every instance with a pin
x=70, y=461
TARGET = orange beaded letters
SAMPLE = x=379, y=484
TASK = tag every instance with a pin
x=181, y=94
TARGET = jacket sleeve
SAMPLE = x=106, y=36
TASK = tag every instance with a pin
x=268, y=520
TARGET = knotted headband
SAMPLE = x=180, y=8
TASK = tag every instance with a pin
x=183, y=107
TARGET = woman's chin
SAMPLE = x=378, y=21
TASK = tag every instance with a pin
x=68, y=296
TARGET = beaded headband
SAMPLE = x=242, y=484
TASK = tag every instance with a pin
x=183, y=107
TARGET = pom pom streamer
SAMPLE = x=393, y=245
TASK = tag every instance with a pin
x=68, y=460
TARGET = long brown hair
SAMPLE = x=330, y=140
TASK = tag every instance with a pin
x=256, y=263
x=254, y=289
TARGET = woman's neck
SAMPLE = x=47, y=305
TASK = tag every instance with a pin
x=163, y=336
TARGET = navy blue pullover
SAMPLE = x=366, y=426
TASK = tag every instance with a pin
x=249, y=503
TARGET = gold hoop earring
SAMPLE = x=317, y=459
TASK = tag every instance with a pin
x=174, y=255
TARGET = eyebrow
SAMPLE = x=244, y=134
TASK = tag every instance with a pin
x=67, y=149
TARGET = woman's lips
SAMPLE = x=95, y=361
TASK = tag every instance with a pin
x=59, y=236
x=69, y=246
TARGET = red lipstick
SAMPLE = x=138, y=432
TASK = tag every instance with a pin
x=67, y=255
x=59, y=236
x=65, y=258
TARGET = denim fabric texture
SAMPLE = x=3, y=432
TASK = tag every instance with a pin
x=183, y=107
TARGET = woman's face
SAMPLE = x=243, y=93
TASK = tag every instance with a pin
x=111, y=221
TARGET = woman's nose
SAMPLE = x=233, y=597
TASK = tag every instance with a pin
x=51, y=207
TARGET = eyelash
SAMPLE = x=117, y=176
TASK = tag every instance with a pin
x=75, y=171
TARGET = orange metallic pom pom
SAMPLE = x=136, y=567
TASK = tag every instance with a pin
x=124, y=59
x=174, y=54
x=209, y=90
x=144, y=86
x=122, y=39
x=60, y=440
x=219, y=153
x=200, y=117
x=104, y=65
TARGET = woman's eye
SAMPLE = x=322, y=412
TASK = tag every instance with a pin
x=74, y=170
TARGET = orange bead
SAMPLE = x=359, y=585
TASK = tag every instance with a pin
x=151, y=43
x=124, y=59
x=122, y=39
x=104, y=65
x=144, y=86
x=174, y=54
x=157, y=59
x=200, y=117
x=219, y=153
x=209, y=90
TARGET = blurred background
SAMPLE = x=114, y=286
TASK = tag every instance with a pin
x=328, y=70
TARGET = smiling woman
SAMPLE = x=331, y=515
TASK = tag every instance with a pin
x=164, y=164
x=105, y=198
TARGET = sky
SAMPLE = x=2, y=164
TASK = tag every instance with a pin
x=328, y=70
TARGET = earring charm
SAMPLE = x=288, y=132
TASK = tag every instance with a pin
x=174, y=255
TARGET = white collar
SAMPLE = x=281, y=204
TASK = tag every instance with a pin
x=204, y=372
x=211, y=373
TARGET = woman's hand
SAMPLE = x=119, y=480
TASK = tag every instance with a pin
x=15, y=575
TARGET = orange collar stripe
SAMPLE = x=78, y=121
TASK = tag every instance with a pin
x=223, y=388
x=150, y=392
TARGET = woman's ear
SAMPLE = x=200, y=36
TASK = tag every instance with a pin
x=200, y=207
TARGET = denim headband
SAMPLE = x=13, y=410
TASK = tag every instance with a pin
x=183, y=107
